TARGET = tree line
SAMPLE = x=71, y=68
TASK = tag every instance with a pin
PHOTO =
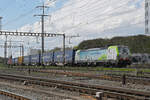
x=136, y=44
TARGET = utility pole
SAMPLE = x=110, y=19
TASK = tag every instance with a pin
x=147, y=19
x=1, y=23
x=42, y=22
x=22, y=50
x=5, y=43
x=64, y=49
x=5, y=51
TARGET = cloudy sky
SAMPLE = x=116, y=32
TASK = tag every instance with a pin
x=87, y=18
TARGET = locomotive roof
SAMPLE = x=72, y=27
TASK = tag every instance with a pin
x=101, y=48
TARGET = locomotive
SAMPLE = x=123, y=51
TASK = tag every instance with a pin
x=107, y=56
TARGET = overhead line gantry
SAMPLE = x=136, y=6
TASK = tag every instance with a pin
x=9, y=33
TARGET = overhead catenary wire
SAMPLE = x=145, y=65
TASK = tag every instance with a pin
x=124, y=26
x=19, y=17
x=81, y=14
x=107, y=16
x=67, y=14
x=80, y=8
x=101, y=14
x=99, y=6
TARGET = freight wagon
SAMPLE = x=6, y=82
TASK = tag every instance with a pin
x=35, y=59
x=69, y=57
x=20, y=60
x=27, y=60
x=15, y=61
x=48, y=58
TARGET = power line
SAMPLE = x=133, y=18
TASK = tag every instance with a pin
x=80, y=10
x=87, y=23
x=19, y=17
x=95, y=10
x=89, y=12
x=69, y=9
x=126, y=26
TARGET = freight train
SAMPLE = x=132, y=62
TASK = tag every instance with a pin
x=107, y=56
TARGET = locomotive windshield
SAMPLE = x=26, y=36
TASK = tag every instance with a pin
x=123, y=50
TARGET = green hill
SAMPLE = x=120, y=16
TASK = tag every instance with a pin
x=136, y=44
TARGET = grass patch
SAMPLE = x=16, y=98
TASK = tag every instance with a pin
x=2, y=66
x=84, y=68
x=78, y=68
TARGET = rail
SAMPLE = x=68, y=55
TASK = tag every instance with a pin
x=13, y=95
x=107, y=91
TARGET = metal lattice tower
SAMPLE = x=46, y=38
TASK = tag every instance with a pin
x=147, y=16
x=1, y=23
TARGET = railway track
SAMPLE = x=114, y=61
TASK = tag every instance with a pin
x=112, y=77
x=104, y=91
x=142, y=80
x=13, y=95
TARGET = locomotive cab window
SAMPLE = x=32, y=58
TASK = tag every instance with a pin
x=123, y=50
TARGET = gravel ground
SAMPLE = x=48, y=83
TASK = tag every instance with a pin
x=39, y=92
x=2, y=97
x=83, y=80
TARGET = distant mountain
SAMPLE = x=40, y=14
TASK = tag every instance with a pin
x=136, y=44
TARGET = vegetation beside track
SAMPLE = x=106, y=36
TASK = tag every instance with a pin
x=2, y=65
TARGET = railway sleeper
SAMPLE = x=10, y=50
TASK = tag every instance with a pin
x=95, y=87
x=119, y=96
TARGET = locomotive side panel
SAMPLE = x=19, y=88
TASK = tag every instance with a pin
x=91, y=56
